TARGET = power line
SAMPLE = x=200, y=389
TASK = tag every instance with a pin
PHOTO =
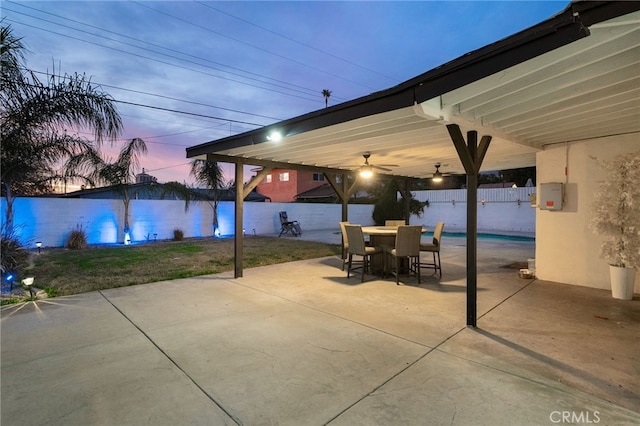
x=167, y=167
x=169, y=97
x=251, y=45
x=295, y=41
x=230, y=120
x=188, y=113
x=308, y=91
x=162, y=62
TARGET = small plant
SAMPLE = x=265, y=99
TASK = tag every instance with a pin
x=51, y=292
x=14, y=257
x=77, y=239
x=178, y=235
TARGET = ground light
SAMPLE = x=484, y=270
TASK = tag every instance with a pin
x=28, y=282
x=9, y=277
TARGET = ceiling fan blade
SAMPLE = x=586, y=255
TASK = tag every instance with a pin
x=380, y=168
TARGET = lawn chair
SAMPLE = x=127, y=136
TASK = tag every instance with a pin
x=289, y=226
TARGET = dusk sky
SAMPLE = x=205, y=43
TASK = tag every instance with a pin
x=188, y=72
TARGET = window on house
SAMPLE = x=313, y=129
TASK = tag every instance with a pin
x=284, y=177
x=318, y=177
x=267, y=179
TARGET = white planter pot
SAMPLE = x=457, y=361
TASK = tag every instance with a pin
x=622, y=282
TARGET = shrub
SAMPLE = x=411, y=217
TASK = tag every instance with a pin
x=14, y=258
x=178, y=235
x=77, y=240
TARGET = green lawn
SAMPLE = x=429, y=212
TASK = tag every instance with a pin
x=64, y=272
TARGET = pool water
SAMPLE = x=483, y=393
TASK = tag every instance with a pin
x=484, y=236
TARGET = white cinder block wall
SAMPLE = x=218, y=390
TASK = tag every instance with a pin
x=567, y=250
x=50, y=220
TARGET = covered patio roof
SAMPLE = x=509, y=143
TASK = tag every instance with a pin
x=572, y=77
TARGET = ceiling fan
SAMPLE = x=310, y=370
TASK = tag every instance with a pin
x=366, y=170
x=438, y=175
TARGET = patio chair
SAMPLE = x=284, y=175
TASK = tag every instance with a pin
x=394, y=222
x=289, y=226
x=345, y=244
x=434, y=248
x=357, y=247
x=407, y=247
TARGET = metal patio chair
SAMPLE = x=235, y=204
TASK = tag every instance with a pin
x=289, y=226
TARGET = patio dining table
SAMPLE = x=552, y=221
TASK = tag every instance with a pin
x=381, y=236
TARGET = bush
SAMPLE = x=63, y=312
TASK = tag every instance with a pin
x=77, y=240
x=14, y=257
x=178, y=235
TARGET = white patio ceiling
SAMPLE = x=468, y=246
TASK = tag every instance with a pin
x=589, y=88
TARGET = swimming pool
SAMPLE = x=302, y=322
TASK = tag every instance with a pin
x=487, y=236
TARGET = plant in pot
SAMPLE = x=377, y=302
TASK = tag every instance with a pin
x=616, y=216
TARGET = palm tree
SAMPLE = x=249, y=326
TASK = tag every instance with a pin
x=120, y=174
x=326, y=93
x=34, y=118
x=210, y=175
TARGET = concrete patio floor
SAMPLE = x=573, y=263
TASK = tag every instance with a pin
x=300, y=344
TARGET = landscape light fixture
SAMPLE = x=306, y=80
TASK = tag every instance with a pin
x=39, y=246
x=437, y=176
x=9, y=278
x=28, y=282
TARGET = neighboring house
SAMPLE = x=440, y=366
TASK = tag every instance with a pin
x=326, y=194
x=283, y=185
x=320, y=194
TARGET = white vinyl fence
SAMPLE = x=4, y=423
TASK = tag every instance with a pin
x=500, y=210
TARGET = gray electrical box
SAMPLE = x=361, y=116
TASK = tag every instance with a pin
x=550, y=197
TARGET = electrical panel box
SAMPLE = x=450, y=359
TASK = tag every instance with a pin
x=550, y=197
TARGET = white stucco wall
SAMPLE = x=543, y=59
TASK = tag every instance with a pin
x=566, y=249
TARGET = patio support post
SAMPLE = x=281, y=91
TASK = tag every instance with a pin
x=343, y=191
x=345, y=200
x=239, y=211
x=406, y=196
x=471, y=155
